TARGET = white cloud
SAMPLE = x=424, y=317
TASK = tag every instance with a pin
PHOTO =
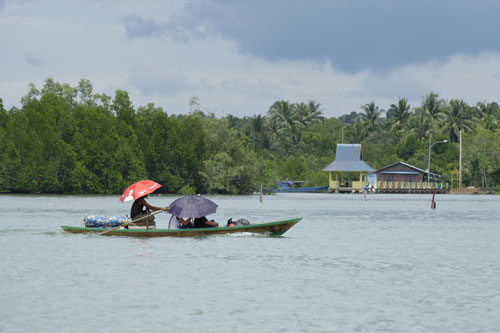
x=471, y=78
x=91, y=42
x=151, y=82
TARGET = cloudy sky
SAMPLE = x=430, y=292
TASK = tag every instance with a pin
x=239, y=57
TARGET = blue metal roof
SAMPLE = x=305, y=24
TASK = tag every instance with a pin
x=348, y=159
x=401, y=172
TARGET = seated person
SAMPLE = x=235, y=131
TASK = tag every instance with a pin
x=180, y=223
x=140, y=210
x=203, y=222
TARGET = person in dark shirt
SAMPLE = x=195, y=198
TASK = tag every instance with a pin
x=141, y=208
x=203, y=222
x=138, y=207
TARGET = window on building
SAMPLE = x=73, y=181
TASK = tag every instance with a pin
x=410, y=179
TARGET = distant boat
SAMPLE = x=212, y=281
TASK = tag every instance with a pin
x=297, y=187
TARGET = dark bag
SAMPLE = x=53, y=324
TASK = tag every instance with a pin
x=242, y=222
x=231, y=223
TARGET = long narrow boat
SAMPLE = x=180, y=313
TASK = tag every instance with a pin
x=270, y=228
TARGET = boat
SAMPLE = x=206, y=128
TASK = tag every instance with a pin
x=276, y=228
x=297, y=187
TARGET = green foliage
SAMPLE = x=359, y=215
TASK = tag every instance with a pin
x=122, y=106
x=482, y=153
x=71, y=140
x=231, y=166
x=400, y=115
x=351, y=117
x=187, y=190
x=407, y=149
x=321, y=138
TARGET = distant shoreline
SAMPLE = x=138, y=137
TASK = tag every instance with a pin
x=474, y=190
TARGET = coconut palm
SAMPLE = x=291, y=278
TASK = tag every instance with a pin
x=371, y=115
x=307, y=114
x=272, y=129
x=421, y=126
x=433, y=106
x=400, y=114
x=487, y=112
x=456, y=117
x=301, y=116
x=489, y=122
x=357, y=132
x=478, y=170
x=296, y=133
x=315, y=113
x=257, y=128
x=284, y=113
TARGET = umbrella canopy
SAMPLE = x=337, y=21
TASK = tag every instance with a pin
x=139, y=189
x=192, y=206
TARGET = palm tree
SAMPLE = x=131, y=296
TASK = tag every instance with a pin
x=296, y=133
x=478, y=170
x=307, y=114
x=315, y=114
x=432, y=105
x=272, y=127
x=421, y=126
x=489, y=122
x=400, y=114
x=372, y=114
x=257, y=127
x=456, y=117
x=284, y=113
x=357, y=132
x=301, y=114
x=488, y=113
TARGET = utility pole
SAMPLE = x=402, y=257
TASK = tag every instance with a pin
x=429, y=158
x=460, y=163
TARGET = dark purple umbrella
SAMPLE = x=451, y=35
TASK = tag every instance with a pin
x=192, y=206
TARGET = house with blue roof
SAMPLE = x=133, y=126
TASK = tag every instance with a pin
x=348, y=159
x=400, y=172
x=401, y=177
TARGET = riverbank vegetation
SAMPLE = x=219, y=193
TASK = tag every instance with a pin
x=66, y=139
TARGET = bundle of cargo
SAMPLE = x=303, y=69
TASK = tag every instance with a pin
x=95, y=221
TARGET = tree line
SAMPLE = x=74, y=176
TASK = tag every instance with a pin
x=66, y=139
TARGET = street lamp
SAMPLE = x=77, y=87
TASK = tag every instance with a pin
x=429, y=159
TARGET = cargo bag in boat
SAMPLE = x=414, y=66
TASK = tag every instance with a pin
x=96, y=221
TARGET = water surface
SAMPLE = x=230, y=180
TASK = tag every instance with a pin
x=388, y=264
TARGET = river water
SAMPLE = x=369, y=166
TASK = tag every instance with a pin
x=386, y=264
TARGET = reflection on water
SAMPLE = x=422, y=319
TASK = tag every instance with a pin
x=389, y=263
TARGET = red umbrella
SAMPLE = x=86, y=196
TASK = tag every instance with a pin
x=139, y=189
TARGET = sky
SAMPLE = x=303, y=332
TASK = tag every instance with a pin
x=239, y=57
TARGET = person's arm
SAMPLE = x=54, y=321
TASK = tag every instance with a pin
x=184, y=221
x=148, y=206
x=212, y=223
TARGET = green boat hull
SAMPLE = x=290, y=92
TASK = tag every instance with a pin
x=270, y=228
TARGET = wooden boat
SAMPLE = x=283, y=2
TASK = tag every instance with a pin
x=270, y=228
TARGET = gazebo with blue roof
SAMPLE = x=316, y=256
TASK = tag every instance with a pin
x=348, y=159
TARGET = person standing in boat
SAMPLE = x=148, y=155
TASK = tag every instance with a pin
x=141, y=208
